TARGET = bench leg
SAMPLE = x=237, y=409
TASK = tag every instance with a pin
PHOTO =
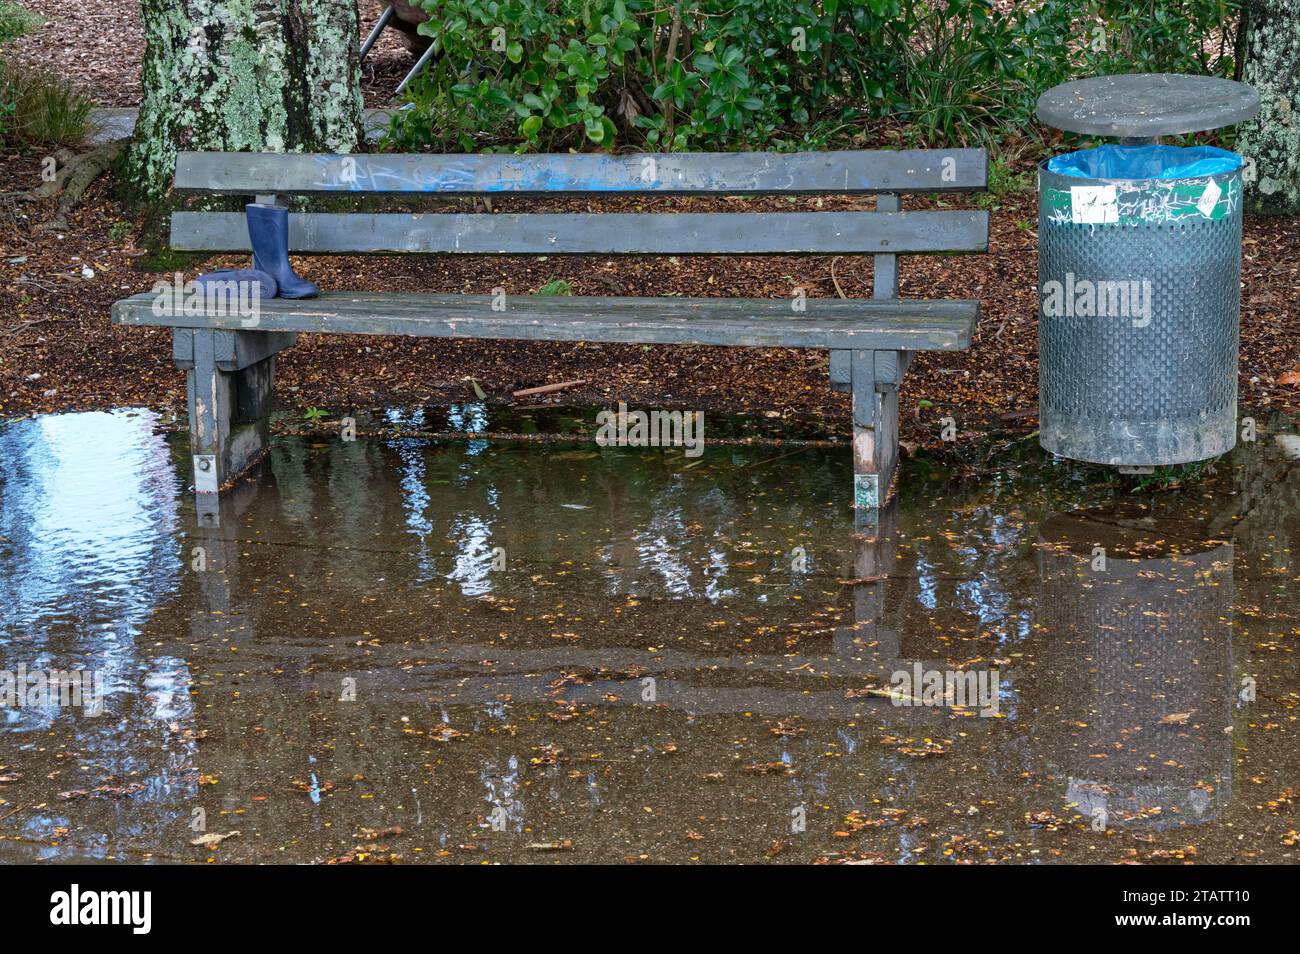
x=875, y=438
x=230, y=413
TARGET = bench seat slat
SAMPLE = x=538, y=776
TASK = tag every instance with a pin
x=826, y=323
x=690, y=233
x=730, y=173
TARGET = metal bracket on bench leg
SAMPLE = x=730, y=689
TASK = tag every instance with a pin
x=205, y=474
x=866, y=491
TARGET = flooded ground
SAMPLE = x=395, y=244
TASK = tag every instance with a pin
x=479, y=651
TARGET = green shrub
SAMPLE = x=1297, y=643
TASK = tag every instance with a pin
x=16, y=21
x=43, y=110
x=780, y=74
x=557, y=286
x=1173, y=476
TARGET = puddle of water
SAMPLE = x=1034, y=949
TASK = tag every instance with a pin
x=552, y=652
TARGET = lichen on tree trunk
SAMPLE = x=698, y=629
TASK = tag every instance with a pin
x=244, y=75
x=1271, y=143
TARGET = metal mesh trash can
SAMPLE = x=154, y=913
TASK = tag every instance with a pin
x=1139, y=272
x=1139, y=292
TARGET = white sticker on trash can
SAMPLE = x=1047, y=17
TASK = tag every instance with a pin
x=1209, y=199
x=1092, y=205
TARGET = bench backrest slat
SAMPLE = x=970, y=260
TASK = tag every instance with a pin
x=775, y=233
x=727, y=173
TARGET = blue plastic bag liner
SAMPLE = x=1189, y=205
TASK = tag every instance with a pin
x=1145, y=162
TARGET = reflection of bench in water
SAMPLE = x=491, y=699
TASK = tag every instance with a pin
x=826, y=684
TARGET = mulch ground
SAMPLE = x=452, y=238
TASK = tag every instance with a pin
x=58, y=350
x=100, y=44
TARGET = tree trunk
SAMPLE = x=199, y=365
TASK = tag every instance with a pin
x=237, y=75
x=1272, y=142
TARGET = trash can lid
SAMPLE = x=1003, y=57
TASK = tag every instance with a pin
x=1146, y=105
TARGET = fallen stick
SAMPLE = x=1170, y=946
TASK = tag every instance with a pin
x=74, y=179
x=22, y=327
x=548, y=388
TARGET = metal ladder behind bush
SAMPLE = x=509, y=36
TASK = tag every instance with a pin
x=384, y=19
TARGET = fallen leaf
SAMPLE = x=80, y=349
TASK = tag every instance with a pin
x=212, y=839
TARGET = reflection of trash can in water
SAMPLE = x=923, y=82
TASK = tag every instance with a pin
x=1133, y=686
x=1139, y=290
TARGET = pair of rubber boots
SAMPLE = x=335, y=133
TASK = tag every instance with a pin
x=268, y=231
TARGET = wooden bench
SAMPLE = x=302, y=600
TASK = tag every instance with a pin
x=230, y=365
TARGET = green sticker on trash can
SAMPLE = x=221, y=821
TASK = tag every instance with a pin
x=1152, y=202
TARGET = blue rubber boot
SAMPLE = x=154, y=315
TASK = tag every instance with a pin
x=266, y=286
x=268, y=230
